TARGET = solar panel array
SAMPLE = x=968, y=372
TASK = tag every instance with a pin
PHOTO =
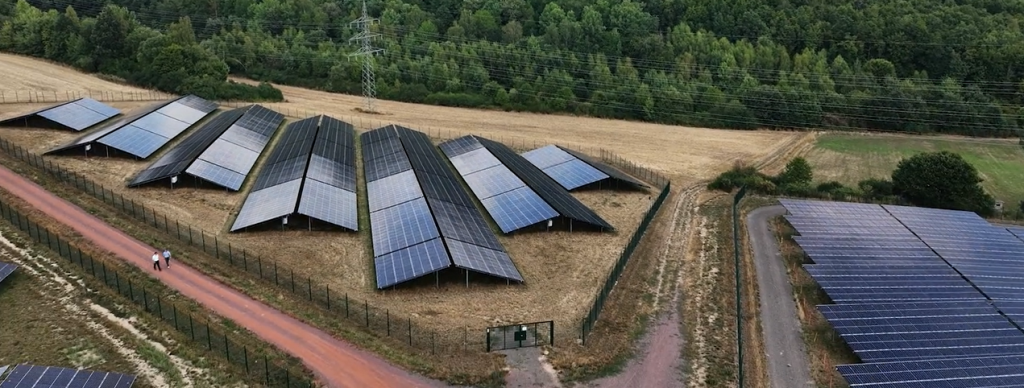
x=573, y=169
x=31, y=376
x=75, y=115
x=1017, y=231
x=329, y=187
x=177, y=159
x=229, y=159
x=6, y=269
x=105, y=130
x=149, y=133
x=912, y=314
x=515, y=193
x=422, y=220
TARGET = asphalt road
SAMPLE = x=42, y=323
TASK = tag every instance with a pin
x=784, y=343
x=335, y=363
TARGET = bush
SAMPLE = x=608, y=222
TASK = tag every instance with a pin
x=942, y=180
x=461, y=100
x=876, y=189
x=740, y=176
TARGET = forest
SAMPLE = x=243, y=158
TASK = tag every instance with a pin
x=905, y=65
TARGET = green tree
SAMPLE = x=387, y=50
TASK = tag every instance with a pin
x=797, y=172
x=941, y=180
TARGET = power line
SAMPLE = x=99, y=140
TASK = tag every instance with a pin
x=366, y=51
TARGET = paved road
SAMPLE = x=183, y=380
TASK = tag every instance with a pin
x=784, y=343
x=336, y=364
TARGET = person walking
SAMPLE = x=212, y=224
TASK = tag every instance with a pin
x=156, y=261
x=167, y=257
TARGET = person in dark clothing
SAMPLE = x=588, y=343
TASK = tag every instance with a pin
x=167, y=257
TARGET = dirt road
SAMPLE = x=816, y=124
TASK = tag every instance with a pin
x=787, y=357
x=336, y=363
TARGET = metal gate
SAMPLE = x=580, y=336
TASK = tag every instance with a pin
x=523, y=335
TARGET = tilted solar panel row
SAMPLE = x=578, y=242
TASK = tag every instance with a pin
x=146, y=135
x=6, y=269
x=573, y=169
x=470, y=240
x=31, y=376
x=329, y=187
x=75, y=115
x=230, y=158
x=914, y=321
x=109, y=127
x=177, y=159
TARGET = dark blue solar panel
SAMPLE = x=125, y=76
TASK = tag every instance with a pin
x=162, y=125
x=402, y=226
x=268, y=204
x=135, y=141
x=6, y=270
x=245, y=138
x=175, y=161
x=445, y=188
x=382, y=148
x=74, y=116
x=280, y=172
x=330, y=204
x=492, y=181
x=237, y=149
x=462, y=145
x=964, y=372
x=474, y=161
x=547, y=156
x=183, y=113
x=97, y=107
x=332, y=173
x=517, y=209
x=374, y=169
x=393, y=190
x=410, y=263
x=30, y=376
x=216, y=174
x=463, y=224
x=574, y=174
x=483, y=260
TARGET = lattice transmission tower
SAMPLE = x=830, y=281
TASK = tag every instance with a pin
x=366, y=50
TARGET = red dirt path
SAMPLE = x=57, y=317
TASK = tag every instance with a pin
x=336, y=364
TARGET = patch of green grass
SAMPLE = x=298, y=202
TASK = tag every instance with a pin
x=160, y=361
x=849, y=158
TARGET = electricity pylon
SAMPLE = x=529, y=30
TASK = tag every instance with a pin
x=366, y=50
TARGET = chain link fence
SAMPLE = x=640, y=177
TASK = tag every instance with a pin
x=258, y=367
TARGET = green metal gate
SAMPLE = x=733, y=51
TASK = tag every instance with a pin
x=523, y=335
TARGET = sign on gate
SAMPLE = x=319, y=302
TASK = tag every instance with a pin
x=523, y=335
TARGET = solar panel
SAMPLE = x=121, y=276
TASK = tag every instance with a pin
x=337, y=131
x=134, y=140
x=75, y=115
x=462, y=145
x=483, y=260
x=31, y=376
x=402, y=226
x=547, y=156
x=555, y=195
x=518, y=209
x=463, y=224
x=382, y=148
x=100, y=132
x=6, y=269
x=575, y=174
x=229, y=159
x=175, y=161
x=474, y=161
x=393, y=190
x=612, y=172
x=335, y=152
x=493, y=181
x=445, y=188
x=410, y=263
x=268, y=204
x=374, y=169
x=379, y=134
x=330, y=204
x=161, y=124
x=197, y=104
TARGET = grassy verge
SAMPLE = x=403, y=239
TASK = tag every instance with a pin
x=470, y=368
x=709, y=318
x=824, y=346
x=74, y=341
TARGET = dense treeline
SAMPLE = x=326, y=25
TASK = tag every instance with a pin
x=115, y=43
x=906, y=65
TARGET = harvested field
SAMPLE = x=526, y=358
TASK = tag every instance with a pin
x=26, y=74
x=675, y=151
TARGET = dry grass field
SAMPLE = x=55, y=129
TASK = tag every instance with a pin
x=25, y=74
x=562, y=270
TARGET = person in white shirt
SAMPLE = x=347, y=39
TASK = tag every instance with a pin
x=167, y=257
x=156, y=261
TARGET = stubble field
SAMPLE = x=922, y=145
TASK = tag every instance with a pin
x=562, y=270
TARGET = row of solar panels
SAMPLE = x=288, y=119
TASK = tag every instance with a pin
x=918, y=292
x=33, y=376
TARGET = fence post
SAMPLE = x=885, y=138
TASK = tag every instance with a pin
x=275, y=274
x=191, y=328
x=160, y=307
x=366, y=306
x=388, y=319
x=131, y=292
x=410, y=331
x=266, y=367
x=245, y=355
x=328, y=296
x=145, y=298
x=309, y=286
x=175, y=308
x=293, y=279
x=346, y=305
x=209, y=336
